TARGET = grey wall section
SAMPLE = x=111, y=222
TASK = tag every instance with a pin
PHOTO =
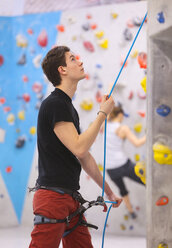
x=159, y=91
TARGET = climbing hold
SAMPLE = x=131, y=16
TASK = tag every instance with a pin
x=99, y=85
x=37, y=60
x=32, y=130
x=162, y=245
x=8, y=169
x=141, y=113
x=88, y=46
x=163, y=110
x=131, y=227
x=86, y=105
x=137, y=157
x=114, y=15
x=2, y=100
x=134, y=54
x=2, y=135
x=131, y=94
x=89, y=16
x=103, y=43
x=60, y=28
x=98, y=96
x=26, y=97
x=21, y=115
x=140, y=171
x=37, y=87
x=99, y=66
x=25, y=78
x=77, y=57
x=21, y=41
x=20, y=142
x=160, y=17
x=163, y=200
x=127, y=34
x=30, y=31
x=86, y=26
x=22, y=60
x=126, y=217
x=138, y=127
x=93, y=26
x=122, y=62
x=143, y=83
x=1, y=60
x=7, y=109
x=99, y=34
x=11, y=118
x=126, y=115
x=142, y=60
x=42, y=38
x=122, y=226
x=162, y=154
x=130, y=24
x=137, y=21
x=71, y=19
x=100, y=167
x=141, y=95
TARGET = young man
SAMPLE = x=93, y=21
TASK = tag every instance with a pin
x=63, y=150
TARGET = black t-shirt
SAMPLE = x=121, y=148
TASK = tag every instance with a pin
x=58, y=166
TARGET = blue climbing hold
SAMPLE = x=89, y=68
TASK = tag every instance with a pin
x=163, y=110
x=160, y=17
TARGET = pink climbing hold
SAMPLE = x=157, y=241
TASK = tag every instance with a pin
x=42, y=38
x=89, y=46
x=1, y=60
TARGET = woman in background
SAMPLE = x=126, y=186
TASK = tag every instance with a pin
x=118, y=164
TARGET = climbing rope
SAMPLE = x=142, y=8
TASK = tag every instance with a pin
x=105, y=128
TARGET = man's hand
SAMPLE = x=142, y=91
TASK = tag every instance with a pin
x=112, y=197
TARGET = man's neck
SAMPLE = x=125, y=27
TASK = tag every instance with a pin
x=68, y=87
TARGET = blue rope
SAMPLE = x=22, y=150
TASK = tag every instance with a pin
x=104, y=229
x=104, y=161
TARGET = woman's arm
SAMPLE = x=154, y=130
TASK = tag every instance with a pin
x=126, y=132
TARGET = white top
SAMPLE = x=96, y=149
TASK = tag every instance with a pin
x=115, y=155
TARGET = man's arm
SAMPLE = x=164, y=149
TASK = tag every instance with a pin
x=79, y=145
x=90, y=167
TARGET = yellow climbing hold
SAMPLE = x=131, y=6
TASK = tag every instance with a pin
x=143, y=83
x=103, y=43
x=162, y=245
x=138, y=127
x=140, y=171
x=86, y=105
x=137, y=157
x=100, y=167
x=10, y=118
x=162, y=154
x=99, y=34
x=114, y=15
x=32, y=130
x=21, y=115
x=134, y=54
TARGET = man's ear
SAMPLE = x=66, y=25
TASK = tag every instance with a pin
x=62, y=70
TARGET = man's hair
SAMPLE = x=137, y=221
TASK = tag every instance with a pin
x=54, y=58
x=115, y=112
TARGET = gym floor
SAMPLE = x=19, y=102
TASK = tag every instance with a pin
x=19, y=237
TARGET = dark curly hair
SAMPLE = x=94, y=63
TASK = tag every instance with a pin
x=54, y=58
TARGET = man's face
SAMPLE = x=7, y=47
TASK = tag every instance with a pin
x=74, y=68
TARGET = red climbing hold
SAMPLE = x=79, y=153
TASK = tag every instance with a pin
x=142, y=60
x=1, y=60
x=26, y=97
x=8, y=169
x=43, y=38
x=162, y=201
x=89, y=46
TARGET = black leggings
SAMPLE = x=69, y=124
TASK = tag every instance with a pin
x=126, y=170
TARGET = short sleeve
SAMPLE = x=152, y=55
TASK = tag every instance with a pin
x=57, y=111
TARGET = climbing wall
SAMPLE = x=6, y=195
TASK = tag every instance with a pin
x=159, y=146
x=102, y=44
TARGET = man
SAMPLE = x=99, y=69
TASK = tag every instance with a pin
x=63, y=150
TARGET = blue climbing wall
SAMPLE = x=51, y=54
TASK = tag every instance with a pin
x=24, y=42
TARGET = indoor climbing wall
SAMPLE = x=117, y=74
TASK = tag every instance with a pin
x=159, y=146
x=102, y=44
